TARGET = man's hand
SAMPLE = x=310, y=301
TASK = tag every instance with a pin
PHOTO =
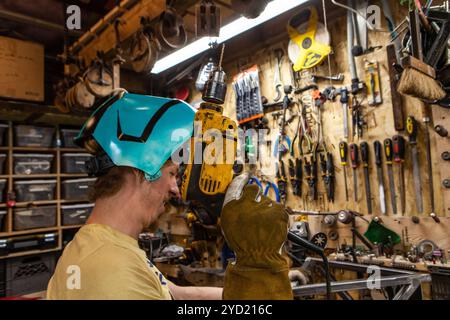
x=255, y=228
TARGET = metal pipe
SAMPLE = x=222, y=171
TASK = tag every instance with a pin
x=22, y=18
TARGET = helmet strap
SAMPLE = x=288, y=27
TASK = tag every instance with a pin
x=99, y=165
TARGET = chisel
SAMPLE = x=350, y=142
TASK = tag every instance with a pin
x=389, y=156
x=365, y=160
x=343, y=151
x=355, y=162
x=378, y=150
x=411, y=129
x=399, y=157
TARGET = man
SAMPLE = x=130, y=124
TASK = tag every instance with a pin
x=135, y=182
x=133, y=138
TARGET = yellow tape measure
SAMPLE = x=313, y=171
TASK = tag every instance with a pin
x=310, y=40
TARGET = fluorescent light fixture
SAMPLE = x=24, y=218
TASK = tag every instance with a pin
x=273, y=9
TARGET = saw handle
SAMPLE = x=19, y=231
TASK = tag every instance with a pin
x=377, y=148
x=365, y=153
x=399, y=148
x=388, y=150
x=343, y=152
x=354, y=155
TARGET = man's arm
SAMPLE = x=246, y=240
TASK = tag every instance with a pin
x=194, y=293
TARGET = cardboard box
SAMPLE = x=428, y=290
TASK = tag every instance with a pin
x=21, y=70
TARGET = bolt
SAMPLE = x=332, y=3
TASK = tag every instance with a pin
x=446, y=183
x=445, y=156
x=440, y=130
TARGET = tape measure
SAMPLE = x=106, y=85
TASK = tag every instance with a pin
x=310, y=41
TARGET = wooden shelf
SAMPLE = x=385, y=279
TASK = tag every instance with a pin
x=72, y=227
x=73, y=150
x=27, y=253
x=74, y=201
x=34, y=149
x=56, y=174
x=34, y=176
x=35, y=203
x=29, y=231
x=73, y=175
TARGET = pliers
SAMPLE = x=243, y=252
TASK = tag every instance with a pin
x=269, y=185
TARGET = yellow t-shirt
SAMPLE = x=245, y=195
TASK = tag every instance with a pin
x=103, y=263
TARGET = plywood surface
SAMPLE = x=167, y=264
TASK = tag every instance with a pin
x=380, y=125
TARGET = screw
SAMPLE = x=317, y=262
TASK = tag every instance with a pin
x=440, y=130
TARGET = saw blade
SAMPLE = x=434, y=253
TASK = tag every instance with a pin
x=381, y=190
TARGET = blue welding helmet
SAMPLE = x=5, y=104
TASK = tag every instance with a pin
x=137, y=131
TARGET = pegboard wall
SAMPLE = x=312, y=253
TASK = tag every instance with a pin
x=379, y=126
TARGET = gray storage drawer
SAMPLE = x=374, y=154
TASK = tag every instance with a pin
x=3, y=129
x=2, y=163
x=68, y=136
x=2, y=220
x=76, y=189
x=35, y=190
x=75, y=162
x=32, y=163
x=2, y=189
x=32, y=136
x=33, y=218
x=76, y=214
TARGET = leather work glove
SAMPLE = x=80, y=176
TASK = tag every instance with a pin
x=255, y=228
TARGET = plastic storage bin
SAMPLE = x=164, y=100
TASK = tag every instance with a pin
x=75, y=162
x=34, y=190
x=2, y=163
x=2, y=189
x=33, y=218
x=2, y=219
x=68, y=136
x=76, y=214
x=3, y=129
x=32, y=163
x=32, y=136
x=77, y=189
x=28, y=242
x=29, y=274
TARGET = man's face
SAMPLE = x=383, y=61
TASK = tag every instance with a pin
x=159, y=192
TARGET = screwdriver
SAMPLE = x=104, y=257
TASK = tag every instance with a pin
x=399, y=157
x=365, y=160
x=411, y=129
x=343, y=152
x=355, y=162
x=389, y=156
